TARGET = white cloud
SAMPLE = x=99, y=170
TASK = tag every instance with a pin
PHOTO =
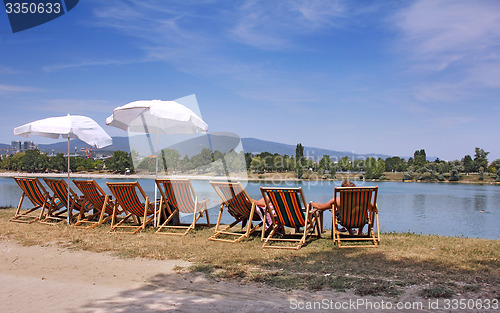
x=446, y=32
x=86, y=63
x=11, y=89
x=452, y=45
x=273, y=25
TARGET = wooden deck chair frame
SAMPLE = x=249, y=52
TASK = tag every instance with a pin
x=285, y=205
x=240, y=205
x=178, y=196
x=126, y=198
x=356, y=207
x=32, y=189
x=102, y=202
x=55, y=214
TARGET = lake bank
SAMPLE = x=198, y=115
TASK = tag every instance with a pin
x=268, y=177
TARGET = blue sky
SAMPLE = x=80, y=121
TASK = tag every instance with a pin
x=360, y=76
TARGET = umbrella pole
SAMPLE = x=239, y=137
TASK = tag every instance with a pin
x=67, y=201
x=156, y=222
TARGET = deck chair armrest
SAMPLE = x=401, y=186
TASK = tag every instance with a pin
x=203, y=201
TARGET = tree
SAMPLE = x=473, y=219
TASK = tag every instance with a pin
x=395, y=164
x=33, y=161
x=170, y=159
x=480, y=159
x=345, y=164
x=468, y=164
x=257, y=164
x=120, y=162
x=420, y=158
x=58, y=163
x=202, y=159
x=454, y=176
x=299, y=159
x=374, y=168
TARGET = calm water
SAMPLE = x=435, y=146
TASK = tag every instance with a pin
x=422, y=208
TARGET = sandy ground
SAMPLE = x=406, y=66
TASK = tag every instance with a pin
x=57, y=279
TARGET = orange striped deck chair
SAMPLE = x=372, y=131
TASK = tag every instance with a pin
x=287, y=207
x=177, y=196
x=32, y=189
x=355, y=207
x=56, y=214
x=239, y=204
x=102, y=203
x=126, y=197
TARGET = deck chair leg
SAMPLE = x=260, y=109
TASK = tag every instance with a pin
x=219, y=218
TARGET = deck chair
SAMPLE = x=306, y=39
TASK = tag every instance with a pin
x=126, y=197
x=177, y=196
x=32, y=189
x=103, y=204
x=287, y=207
x=239, y=204
x=56, y=214
x=355, y=207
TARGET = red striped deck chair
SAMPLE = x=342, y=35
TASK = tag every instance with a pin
x=57, y=214
x=32, y=189
x=177, y=196
x=355, y=207
x=102, y=203
x=126, y=197
x=239, y=204
x=290, y=210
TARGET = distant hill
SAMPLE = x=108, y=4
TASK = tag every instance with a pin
x=219, y=142
x=254, y=145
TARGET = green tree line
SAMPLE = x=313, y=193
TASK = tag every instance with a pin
x=416, y=167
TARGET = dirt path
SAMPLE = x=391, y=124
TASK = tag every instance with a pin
x=55, y=279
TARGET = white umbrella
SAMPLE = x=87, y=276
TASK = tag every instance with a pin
x=156, y=117
x=70, y=127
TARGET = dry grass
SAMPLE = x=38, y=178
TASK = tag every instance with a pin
x=438, y=266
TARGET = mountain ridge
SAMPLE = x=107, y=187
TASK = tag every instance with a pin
x=252, y=145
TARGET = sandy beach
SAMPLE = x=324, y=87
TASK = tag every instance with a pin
x=58, y=279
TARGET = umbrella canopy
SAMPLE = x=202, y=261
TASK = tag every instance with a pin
x=156, y=116
x=70, y=127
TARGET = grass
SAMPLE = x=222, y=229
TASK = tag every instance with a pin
x=437, y=266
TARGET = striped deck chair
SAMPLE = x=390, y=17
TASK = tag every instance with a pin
x=355, y=207
x=126, y=197
x=57, y=214
x=240, y=206
x=177, y=196
x=102, y=203
x=32, y=189
x=290, y=210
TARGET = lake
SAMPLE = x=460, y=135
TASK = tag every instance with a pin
x=462, y=210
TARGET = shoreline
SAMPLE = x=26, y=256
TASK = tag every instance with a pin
x=212, y=177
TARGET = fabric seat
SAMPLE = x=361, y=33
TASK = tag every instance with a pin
x=32, y=189
x=355, y=207
x=177, y=196
x=240, y=205
x=56, y=214
x=288, y=208
x=103, y=204
x=126, y=197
